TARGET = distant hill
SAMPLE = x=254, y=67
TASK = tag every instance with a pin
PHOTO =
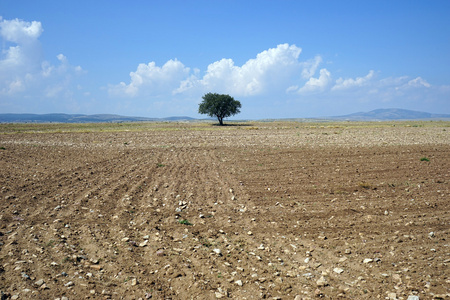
x=391, y=114
x=78, y=118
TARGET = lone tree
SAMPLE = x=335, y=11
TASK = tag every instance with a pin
x=219, y=105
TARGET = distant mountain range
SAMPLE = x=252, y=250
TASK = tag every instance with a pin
x=78, y=118
x=390, y=114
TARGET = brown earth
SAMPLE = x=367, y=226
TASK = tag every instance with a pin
x=195, y=211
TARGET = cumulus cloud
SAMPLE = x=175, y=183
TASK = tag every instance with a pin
x=149, y=79
x=23, y=50
x=342, y=84
x=266, y=72
x=310, y=67
x=19, y=31
x=313, y=85
x=23, y=70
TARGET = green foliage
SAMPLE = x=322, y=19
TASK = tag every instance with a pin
x=424, y=159
x=184, y=222
x=219, y=105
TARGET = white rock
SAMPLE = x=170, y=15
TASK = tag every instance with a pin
x=367, y=260
x=392, y=296
x=217, y=251
x=238, y=282
x=39, y=282
x=322, y=281
x=219, y=295
x=338, y=270
x=134, y=281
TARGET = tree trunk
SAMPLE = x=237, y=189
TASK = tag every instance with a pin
x=220, y=121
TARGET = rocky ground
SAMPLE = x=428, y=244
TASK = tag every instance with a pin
x=195, y=211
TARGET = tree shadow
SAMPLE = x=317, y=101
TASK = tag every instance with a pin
x=233, y=125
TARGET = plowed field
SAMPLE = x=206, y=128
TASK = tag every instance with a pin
x=277, y=210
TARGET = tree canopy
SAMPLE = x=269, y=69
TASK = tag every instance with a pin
x=219, y=105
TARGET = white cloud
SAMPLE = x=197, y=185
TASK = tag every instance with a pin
x=418, y=82
x=24, y=74
x=342, y=84
x=317, y=84
x=19, y=31
x=310, y=67
x=267, y=72
x=149, y=79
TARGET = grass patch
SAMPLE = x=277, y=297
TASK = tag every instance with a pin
x=424, y=159
x=185, y=222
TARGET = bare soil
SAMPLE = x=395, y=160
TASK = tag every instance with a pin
x=195, y=211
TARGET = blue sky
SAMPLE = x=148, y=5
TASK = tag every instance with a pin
x=281, y=59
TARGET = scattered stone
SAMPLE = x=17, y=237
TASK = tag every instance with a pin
x=69, y=284
x=239, y=282
x=94, y=261
x=348, y=251
x=261, y=247
x=160, y=253
x=367, y=260
x=134, y=281
x=431, y=234
x=412, y=297
x=218, y=251
x=338, y=270
x=322, y=281
x=318, y=293
x=39, y=282
x=392, y=296
x=96, y=267
x=143, y=244
x=219, y=295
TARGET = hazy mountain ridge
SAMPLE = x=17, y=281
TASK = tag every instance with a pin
x=79, y=118
x=390, y=114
